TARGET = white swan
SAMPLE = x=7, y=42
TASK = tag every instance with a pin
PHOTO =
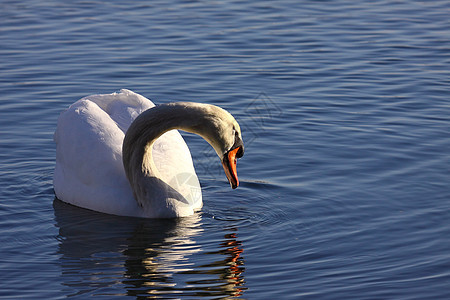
x=155, y=177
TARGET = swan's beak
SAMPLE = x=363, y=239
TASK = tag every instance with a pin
x=229, y=165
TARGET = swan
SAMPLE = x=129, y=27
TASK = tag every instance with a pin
x=119, y=154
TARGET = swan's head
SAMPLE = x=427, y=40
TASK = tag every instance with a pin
x=230, y=154
x=219, y=128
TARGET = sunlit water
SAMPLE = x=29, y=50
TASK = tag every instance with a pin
x=345, y=112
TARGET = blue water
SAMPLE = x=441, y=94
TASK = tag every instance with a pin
x=345, y=183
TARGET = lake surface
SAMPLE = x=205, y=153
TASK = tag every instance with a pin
x=345, y=183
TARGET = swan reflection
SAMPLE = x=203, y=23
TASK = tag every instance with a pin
x=109, y=255
x=229, y=269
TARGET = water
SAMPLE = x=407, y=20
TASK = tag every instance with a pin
x=345, y=182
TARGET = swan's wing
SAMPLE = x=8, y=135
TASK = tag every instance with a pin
x=173, y=160
x=122, y=107
x=89, y=170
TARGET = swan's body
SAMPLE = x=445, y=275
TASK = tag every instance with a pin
x=155, y=176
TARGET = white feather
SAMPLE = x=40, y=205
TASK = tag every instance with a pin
x=89, y=171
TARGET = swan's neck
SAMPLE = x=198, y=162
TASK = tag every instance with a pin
x=152, y=193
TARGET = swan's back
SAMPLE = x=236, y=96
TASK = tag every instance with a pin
x=89, y=171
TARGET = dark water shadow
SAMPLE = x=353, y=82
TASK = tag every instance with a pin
x=104, y=255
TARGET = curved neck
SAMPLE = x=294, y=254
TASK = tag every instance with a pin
x=150, y=125
x=150, y=191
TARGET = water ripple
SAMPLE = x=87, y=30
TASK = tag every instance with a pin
x=345, y=116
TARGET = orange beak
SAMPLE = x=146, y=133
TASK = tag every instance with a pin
x=229, y=165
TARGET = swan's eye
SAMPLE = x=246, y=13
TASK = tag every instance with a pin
x=238, y=143
x=240, y=152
